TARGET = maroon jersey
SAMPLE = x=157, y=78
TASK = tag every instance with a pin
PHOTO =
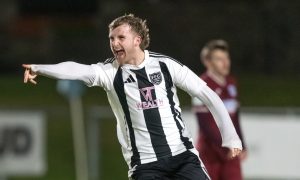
x=209, y=133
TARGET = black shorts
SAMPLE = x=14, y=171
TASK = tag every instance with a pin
x=185, y=166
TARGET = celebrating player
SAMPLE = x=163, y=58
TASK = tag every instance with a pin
x=141, y=88
x=220, y=165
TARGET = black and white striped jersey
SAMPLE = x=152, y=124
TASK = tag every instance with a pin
x=145, y=103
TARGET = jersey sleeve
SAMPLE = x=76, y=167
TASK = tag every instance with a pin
x=188, y=81
x=238, y=128
x=104, y=75
x=91, y=75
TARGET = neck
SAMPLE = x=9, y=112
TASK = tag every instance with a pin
x=220, y=79
x=137, y=58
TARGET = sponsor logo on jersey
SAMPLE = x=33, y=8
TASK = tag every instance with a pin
x=155, y=78
x=149, y=101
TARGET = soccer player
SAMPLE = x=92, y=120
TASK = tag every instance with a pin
x=217, y=159
x=141, y=89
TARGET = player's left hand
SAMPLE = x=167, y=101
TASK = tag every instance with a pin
x=243, y=156
x=234, y=152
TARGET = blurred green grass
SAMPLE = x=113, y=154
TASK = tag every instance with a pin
x=273, y=91
x=255, y=90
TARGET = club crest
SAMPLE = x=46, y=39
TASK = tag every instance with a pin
x=155, y=78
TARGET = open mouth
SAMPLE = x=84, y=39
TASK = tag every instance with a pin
x=119, y=52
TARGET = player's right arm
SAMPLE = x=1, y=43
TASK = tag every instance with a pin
x=65, y=70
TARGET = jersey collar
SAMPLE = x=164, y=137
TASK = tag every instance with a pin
x=140, y=66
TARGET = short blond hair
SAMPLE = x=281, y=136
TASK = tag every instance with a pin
x=137, y=24
x=217, y=44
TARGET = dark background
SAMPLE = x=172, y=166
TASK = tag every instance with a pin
x=263, y=35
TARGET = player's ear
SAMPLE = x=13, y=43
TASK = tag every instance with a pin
x=206, y=62
x=137, y=40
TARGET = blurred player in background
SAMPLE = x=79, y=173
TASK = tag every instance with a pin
x=215, y=57
x=141, y=89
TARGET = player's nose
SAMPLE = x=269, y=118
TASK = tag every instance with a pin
x=114, y=43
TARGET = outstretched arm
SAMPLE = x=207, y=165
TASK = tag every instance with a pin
x=191, y=83
x=65, y=70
